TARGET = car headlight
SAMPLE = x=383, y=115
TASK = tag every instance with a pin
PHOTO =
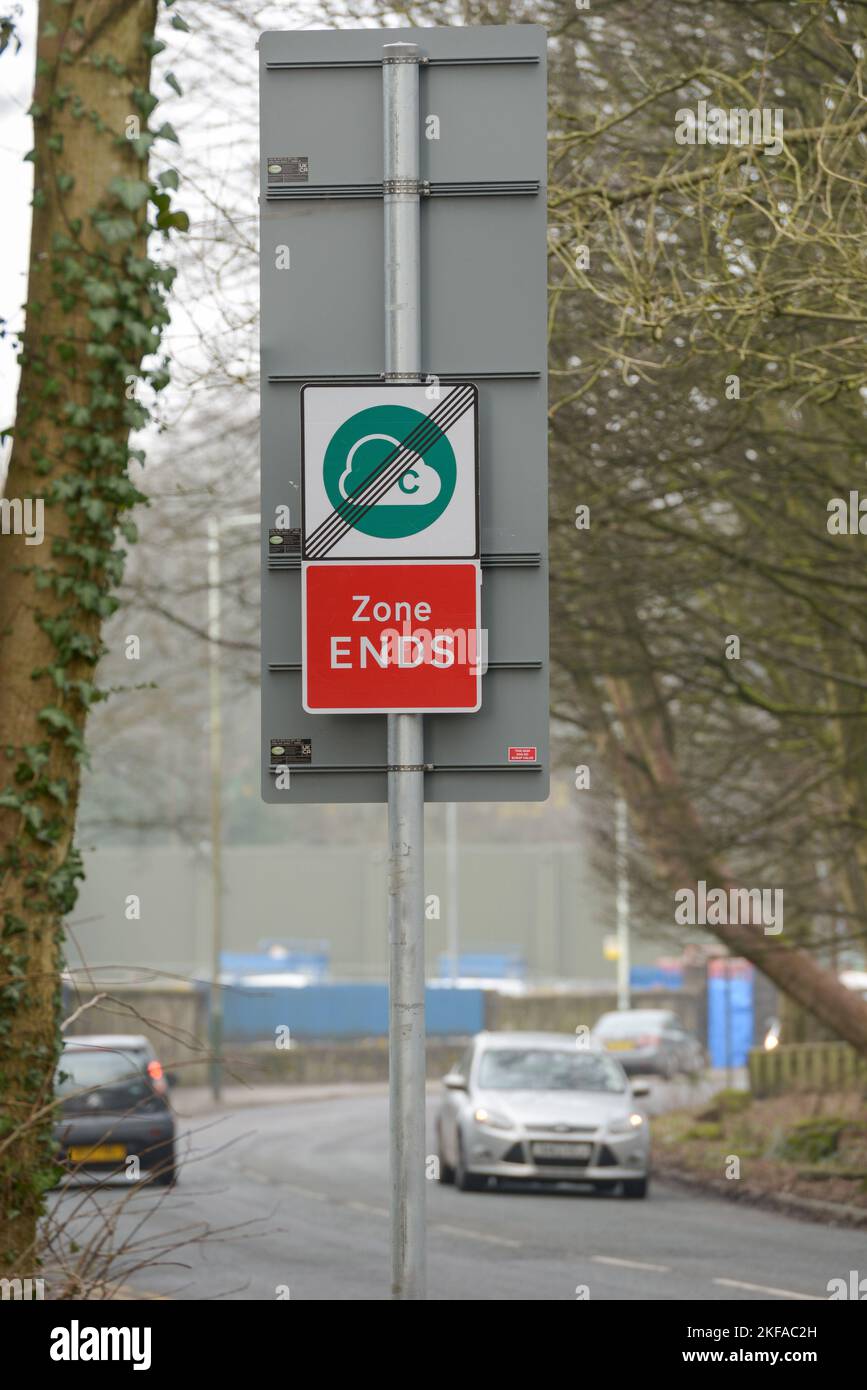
x=626, y=1124
x=491, y=1120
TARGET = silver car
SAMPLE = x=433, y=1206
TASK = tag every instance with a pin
x=543, y=1107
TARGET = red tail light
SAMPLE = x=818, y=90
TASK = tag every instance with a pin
x=157, y=1076
x=649, y=1040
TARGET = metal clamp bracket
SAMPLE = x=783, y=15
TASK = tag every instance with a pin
x=418, y=187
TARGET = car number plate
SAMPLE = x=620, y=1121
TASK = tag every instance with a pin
x=567, y=1151
x=619, y=1045
x=100, y=1153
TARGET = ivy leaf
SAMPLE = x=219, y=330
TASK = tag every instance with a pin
x=138, y=333
x=94, y=509
x=169, y=178
x=58, y=719
x=115, y=229
x=44, y=1179
x=159, y=378
x=131, y=192
x=145, y=101
x=103, y=319
x=142, y=143
x=59, y=791
x=179, y=220
x=167, y=132
x=98, y=292
x=174, y=83
x=178, y=23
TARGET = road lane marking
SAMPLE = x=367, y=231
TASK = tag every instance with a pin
x=370, y=1210
x=766, y=1288
x=365, y=1206
x=257, y=1176
x=476, y=1235
x=630, y=1264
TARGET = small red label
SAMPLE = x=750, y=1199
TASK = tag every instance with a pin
x=522, y=755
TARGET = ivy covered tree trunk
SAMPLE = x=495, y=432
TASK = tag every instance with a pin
x=95, y=309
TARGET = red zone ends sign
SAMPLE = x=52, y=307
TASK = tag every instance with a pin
x=391, y=638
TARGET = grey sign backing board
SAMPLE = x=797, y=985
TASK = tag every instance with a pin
x=483, y=250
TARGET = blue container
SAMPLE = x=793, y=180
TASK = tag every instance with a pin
x=253, y=1014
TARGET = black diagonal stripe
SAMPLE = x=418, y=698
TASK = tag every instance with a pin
x=382, y=478
x=372, y=492
x=422, y=434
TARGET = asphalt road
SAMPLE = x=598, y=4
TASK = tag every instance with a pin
x=294, y=1196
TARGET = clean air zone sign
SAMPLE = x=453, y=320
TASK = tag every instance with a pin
x=392, y=638
x=390, y=472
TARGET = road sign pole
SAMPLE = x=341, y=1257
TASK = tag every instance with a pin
x=217, y=524
x=215, y=1000
x=621, y=856
x=453, y=880
x=406, y=1037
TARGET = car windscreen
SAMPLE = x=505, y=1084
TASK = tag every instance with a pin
x=631, y=1025
x=546, y=1069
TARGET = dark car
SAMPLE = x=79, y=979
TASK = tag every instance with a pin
x=650, y=1040
x=113, y=1106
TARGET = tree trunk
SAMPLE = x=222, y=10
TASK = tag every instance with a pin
x=671, y=829
x=94, y=308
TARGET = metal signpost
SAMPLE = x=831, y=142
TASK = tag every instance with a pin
x=403, y=474
x=406, y=1031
